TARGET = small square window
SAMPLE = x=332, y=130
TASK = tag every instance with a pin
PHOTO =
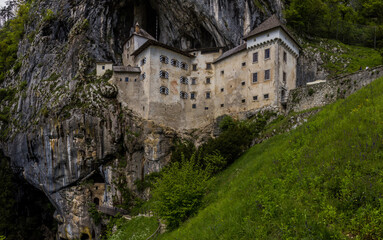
x=243, y=100
x=255, y=77
x=255, y=57
x=255, y=98
x=192, y=95
x=208, y=66
x=266, y=96
x=243, y=83
x=194, y=106
x=206, y=108
x=208, y=95
x=207, y=80
x=222, y=105
x=222, y=72
x=222, y=89
x=267, y=74
x=194, y=81
x=120, y=79
x=267, y=53
x=103, y=67
x=243, y=64
x=194, y=67
x=126, y=79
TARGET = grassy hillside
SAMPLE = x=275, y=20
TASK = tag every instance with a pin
x=323, y=180
x=139, y=228
x=340, y=58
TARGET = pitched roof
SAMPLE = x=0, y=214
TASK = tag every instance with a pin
x=128, y=69
x=141, y=33
x=231, y=52
x=270, y=23
x=156, y=43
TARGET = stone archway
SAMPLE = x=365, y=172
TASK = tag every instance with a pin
x=96, y=201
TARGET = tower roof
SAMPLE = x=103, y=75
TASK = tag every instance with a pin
x=270, y=23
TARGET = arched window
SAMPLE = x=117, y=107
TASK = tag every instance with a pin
x=164, y=59
x=184, y=66
x=164, y=74
x=184, y=95
x=175, y=63
x=164, y=90
x=184, y=80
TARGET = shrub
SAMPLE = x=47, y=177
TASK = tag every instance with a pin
x=94, y=213
x=178, y=194
x=311, y=92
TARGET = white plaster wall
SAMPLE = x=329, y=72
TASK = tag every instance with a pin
x=100, y=71
x=234, y=74
x=270, y=35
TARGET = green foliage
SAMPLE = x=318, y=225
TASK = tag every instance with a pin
x=10, y=36
x=139, y=228
x=311, y=92
x=94, y=213
x=178, y=193
x=147, y=182
x=49, y=16
x=2, y=237
x=320, y=181
x=338, y=19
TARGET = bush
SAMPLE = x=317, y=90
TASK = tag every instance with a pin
x=178, y=194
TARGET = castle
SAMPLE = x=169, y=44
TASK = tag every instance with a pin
x=189, y=89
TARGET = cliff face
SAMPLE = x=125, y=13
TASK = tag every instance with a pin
x=66, y=124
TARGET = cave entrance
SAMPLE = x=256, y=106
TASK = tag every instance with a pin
x=84, y=236
x=96, y=178
x=96, y=201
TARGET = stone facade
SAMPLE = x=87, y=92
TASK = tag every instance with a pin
x=189, y=89
x=326, y=92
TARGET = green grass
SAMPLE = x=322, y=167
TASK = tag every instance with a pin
x=353, y=57
x=139, y=228
x=323, y=180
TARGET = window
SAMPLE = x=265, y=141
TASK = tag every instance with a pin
x=175, y=63
x=284, y=78
x=255, y=57
x=143, y=61
x=284, y=56
x=164, y=90
x=267, y=53
x=208, y=66
x=243, y=100
x=103, y=67
x=208, y=95
x=194, y=81
x=206, y=108
x=192, y=95
x=120, y=79
x=243, y=64
x=135, y=80
x=164, y=59
x=126, y=79
x=143, y=76
x=255, y=98
x=164, y=74
x=183, y=95
x=208, y=80
x=243, y=83
x=222, y=105
x=266, y=96
x=222, y=72
x=194, y=106
x=184, y=66
x=194, y=67
x=184, y=80
x=255, y=77
x=267, y=74
x=222, y=89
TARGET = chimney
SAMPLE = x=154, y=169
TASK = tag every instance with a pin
x=137, y=29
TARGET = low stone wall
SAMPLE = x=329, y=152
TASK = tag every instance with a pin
x=322, y=94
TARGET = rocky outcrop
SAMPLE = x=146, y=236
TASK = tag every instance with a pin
x=65, y=123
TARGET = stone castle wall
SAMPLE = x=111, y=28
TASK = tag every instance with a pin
x=327, y=92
